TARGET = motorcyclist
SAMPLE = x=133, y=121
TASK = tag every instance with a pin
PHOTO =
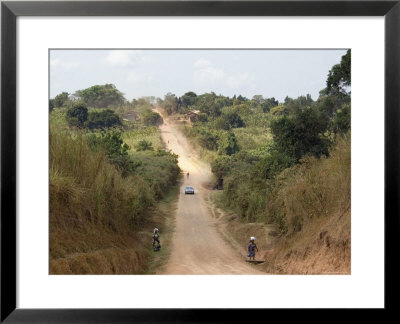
x=252, y=247
x=156, y=237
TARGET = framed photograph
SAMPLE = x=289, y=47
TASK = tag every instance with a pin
x=193, y=161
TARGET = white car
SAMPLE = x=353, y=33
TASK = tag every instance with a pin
x=189, y=190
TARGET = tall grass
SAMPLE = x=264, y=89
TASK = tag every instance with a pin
x=309, y=190
x=313, y=189
x=92, y=208
x=150, y=133
x=77, y=174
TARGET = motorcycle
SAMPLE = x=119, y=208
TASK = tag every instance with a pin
x=156, y=246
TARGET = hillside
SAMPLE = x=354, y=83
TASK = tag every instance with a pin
x=103, y=201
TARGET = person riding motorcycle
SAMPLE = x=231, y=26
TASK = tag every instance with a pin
x=156, y=237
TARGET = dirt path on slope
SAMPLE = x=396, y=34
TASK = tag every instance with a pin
x=197, y=248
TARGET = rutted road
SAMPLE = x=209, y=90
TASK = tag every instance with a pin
x=197, y=248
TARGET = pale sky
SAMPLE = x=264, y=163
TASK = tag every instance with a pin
x=137, y=73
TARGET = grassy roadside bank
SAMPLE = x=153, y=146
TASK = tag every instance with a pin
x=129, y=252
x=318, y=240
x=164, y=219
x=106, y=196
x=237, y=233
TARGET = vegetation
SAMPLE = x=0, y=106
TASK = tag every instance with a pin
x=151, y=118
x=280, y=164
x=103, y=189
x=77, y=115
x=311, y=189
x=260, y=147
x=101, y=96
x=102, y=119
x=61, y=100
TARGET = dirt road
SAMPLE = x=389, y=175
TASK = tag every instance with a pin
x=197, y=248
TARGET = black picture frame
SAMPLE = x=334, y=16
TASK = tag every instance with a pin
x=9, y=13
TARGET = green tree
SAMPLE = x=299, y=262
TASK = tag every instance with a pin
x=202, y=117
x=144, y=145
x=51, y=104
x=170, y=103
x=258, y=98
x=101, y=96
x=328, y=104
x=189, y=99
x=221, y=102
x=228, y=145
x=228, y=120
x=221, y=123
x=295, y=105
x=221, y=166
x=269, y=103
x=271, y=165
x=102, y=119
x=77, y=115
x=342, y=120
x=207, y=138
x=151, y=118
x=241, y=99
x=61, y=99
x=116, y=150
x=207, y=105
x=302, y=133
x=339, y=77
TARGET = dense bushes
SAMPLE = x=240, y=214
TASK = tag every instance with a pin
x=228, y=145
x=151, y=118
x=102, y=192
x=301, y=133
x=79, y=116
x=312, y=189
x=144, y=145
x=102, y=119
x=270, y=191
x=115, y=149
x=101, y=96
x=158, y=168
x=255, y=142
x=87, y=188
x=61, y=99
x=207, y=138
x=229, y=120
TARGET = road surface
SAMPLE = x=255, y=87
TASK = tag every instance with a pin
x=197, y=248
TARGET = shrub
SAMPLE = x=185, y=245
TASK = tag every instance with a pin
x=102, y=119
x=301, y=133
x=101, y=96
x=158, y=168
x=271, y=165
x=312, y=189
x=202, y=117
x=144, y=145
x=86, y=189
x=61, y=99
x=116, y=150
x=51, y=105
x=229, y=120
x=228, y=145
x=207, y=138
x=342, y=120
x=151, y=118
x=77, y=115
